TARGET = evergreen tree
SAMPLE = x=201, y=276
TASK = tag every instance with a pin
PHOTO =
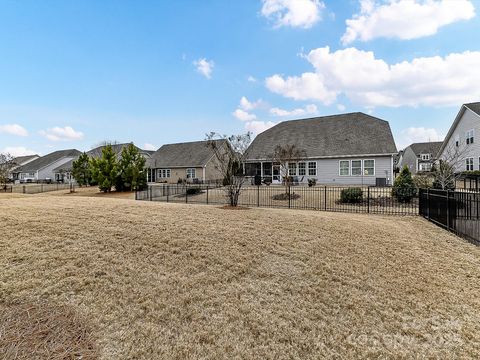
x=81, y=170
x=132, y=174
x=404, y=187
x=104, y=169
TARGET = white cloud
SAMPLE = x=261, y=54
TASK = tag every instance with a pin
x=149, y=147
x=259, y=126
x=204, y=67
x=419, y=134
x=18, y=151
x=341, y=107
x=247, y=105
x=13, y=129
x=251, y=79
x=243, y=115
x=66, y=133
x=307, y=110
x=404, y=19
x=368, y=81
x=294, y=13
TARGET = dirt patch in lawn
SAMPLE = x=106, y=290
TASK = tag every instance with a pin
x=228, y=207
x=44, y=331
x=176, y=281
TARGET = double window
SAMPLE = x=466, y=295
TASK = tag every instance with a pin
x=191, y=173
x=312, y=168
x=163, y=173
x=469, y=164
x=469, y=136
x=425, y=156
x=357, y=167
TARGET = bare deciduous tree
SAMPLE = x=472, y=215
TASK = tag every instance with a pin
x=229, y=153
x=7, y=164
x=446, y=170
x=284, y=155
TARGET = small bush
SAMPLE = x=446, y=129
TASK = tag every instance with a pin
x=194, y=191
x=404, y=188
x=312, y=182
x=351, y=195
x=423, y=181
x=286, y=196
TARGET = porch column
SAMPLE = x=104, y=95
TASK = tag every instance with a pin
x=261, y=168
x=203, y=174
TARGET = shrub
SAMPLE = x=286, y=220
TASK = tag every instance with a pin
x=404, y=188
x=423, y=181
x=194, y=191
x=312, y=182
x=351, y=195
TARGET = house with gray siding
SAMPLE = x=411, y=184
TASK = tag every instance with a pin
x=345, y=149
x=461, y=147
x=42, y=169
x=420, y=157
x=18, y=162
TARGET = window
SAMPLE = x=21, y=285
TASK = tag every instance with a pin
x=356, y=167
x=163, y=173
x=469, y=136
x=191, y=173
x=312, y=168
x=457, y=141
x=469, y=164
x=292, y=169
x=425, y=156
x=344, y=167
x=302, y=169
x=425, y=167
x=369, y=167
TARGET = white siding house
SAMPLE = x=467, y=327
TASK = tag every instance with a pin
x=462, y=143
x=345, y=149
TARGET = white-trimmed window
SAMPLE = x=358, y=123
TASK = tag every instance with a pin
x=302, y=169
x=369, y=167
x=344, y=167
x=356, y=167
x=163, y=173
x=292, y=169
x=469, y=164
x=425, y=167
x=191, y=173
x=425, y=156
x=469, y=136
x=312, y=168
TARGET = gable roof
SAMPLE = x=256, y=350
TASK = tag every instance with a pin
x=187, y=154
x=19, y=160
x=48, y=159
x=426, y=148
x=328, y=136
x=475, y=107
x=97, y=152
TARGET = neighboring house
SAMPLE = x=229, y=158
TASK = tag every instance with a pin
x=63, y=173
x=20, y=161
x=42, y=169
x=190, y=161
x=346, y=149
x=420, y=157
x=461, y=148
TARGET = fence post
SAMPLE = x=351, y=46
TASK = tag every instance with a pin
x=368, y=200
x=150, y=190
x=258, y=195
x=168, y=191
x=448, y=210
x=428, y=204
x=24, y=189
x=186, y=193
x=325, y=201
x=289, y=196
x=207, y=194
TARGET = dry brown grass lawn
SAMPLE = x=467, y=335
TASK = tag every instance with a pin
x=173, y=281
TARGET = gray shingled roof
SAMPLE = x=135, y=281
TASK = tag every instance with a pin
x=97, y=152
x=475, y=107
x=188, y=154
x=427, y=148
x=21, y=159
x=48, y=159
x=328, y=136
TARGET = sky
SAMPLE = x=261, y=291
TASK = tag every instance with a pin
x=74, y=74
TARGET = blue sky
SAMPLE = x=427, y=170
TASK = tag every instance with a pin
x=76, y=73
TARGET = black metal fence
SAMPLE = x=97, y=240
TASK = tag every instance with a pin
x=374, y=200
x=456, y=211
